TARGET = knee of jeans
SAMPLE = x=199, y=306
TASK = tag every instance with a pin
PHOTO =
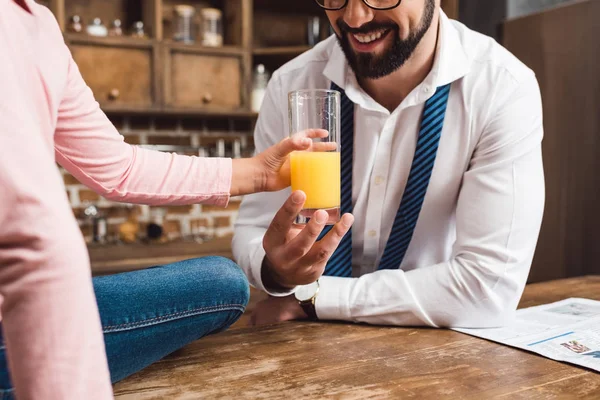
x=228, y=279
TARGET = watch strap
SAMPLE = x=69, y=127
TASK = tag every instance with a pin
x=309, y=308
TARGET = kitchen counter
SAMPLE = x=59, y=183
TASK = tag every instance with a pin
x=110, y=259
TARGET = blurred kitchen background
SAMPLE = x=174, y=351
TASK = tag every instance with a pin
x=189, y=76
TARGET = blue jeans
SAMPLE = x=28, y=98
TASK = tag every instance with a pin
x=149, y=314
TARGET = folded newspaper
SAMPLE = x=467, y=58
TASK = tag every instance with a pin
x=568, y=330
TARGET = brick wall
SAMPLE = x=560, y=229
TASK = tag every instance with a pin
x=190, y=136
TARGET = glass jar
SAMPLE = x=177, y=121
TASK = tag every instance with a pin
x=184, y=24
x=212, y=27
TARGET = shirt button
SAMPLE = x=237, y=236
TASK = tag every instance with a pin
x=426, y=89
x=372, y=233
x=379, y=180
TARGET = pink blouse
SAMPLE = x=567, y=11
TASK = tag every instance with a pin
x=47, y=115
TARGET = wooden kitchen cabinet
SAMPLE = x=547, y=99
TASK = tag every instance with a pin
x=194, y=79
x=118, y=76
x=155, y=75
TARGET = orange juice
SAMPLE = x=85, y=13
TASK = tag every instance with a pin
x=318, y=175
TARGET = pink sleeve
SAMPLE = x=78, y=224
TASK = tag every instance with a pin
x=50, y=318
x=90, y=148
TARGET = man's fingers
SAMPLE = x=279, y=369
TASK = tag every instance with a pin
x=324, y=249
x=284, y=219
x=304, y=241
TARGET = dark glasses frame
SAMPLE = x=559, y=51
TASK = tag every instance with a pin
x=364, y=1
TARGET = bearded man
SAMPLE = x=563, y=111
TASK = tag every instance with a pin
x=442, y=177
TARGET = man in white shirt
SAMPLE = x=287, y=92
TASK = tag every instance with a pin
x=470, y=250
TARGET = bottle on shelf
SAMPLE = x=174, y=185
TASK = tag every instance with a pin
x=220, y=148
x=237, y=149
x=116, y=28
x=314, y=30
x=259, y=86
x=75, y=25
x=137, y=30
x=99, y=225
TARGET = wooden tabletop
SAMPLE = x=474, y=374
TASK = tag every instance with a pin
x=335, y=360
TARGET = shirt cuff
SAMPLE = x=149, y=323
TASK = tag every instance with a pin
x=256, y=276
x=333, y=299
x=224, y=169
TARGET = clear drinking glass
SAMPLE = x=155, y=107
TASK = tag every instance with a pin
x=317, y=172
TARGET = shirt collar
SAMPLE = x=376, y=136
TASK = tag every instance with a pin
x=451, y=63
x=24, y=4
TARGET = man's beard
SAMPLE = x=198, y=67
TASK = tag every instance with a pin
x=371, y=66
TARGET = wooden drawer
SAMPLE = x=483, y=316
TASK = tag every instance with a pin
x=118, y=76
x=194, y=80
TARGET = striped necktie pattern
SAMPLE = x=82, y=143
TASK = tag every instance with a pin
x=432, y=122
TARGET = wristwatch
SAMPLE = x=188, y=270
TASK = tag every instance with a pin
x=306, y=296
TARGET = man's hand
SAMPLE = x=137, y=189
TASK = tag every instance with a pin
x=293, y=257
x=277, y=309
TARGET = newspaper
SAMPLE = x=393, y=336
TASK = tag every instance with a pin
x=568, y=330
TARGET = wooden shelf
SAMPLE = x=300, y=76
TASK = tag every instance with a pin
x=126, y=41
x=166, y=111
x=210, y=112
x=197, y=48
x=117, y=41
x=128, y=109
x=280, y=51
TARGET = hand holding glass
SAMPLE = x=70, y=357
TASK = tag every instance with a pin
x=317, y=171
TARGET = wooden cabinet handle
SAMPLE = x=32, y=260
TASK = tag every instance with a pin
x=207, y=98
x=114, y=94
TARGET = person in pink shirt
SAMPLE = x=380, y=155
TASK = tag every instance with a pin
x=52, y=324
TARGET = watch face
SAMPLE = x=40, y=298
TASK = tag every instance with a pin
x=306, y=292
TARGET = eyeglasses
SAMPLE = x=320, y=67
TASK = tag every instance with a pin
x=334, y=5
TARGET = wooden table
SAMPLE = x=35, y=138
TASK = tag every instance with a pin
x=316, y=360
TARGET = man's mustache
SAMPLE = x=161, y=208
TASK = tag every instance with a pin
x=366, y=28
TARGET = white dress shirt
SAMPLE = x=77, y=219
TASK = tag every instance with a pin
x=468, y=261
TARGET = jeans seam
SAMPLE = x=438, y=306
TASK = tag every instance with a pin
x=172, y=316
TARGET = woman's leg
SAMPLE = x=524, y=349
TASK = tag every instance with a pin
x=149, y=314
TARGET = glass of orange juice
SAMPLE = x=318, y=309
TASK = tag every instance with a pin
x=317, y=171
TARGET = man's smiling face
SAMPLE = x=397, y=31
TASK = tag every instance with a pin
x=377, y=43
